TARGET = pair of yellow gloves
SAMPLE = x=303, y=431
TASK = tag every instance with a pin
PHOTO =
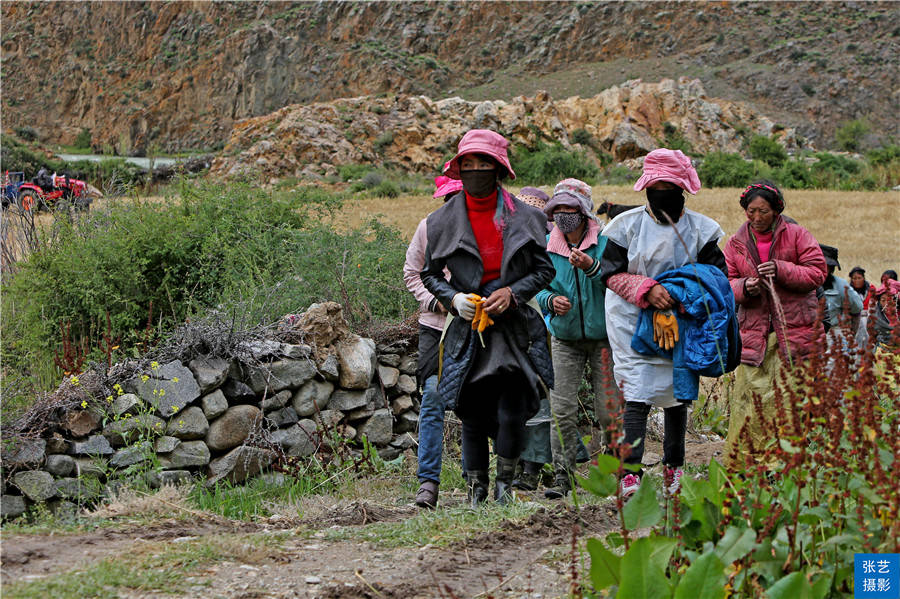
x=665, y=329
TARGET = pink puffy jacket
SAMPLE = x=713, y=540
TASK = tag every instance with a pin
x=800, y=270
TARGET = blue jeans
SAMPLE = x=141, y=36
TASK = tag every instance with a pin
x=431, y=432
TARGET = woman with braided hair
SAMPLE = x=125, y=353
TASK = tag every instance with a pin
x=771, y=262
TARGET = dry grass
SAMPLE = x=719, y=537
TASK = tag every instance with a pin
x=864, y=225
x=128, y=502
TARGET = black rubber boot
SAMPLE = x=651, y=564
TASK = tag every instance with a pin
x=506, y=470
x=477, y=482
x=561, y=486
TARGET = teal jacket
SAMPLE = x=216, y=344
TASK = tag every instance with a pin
x=587, y=318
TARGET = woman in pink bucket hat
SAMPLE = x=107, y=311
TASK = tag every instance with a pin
x=494, y=365
x=643, y=243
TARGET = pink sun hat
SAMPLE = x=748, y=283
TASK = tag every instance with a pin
x=446, y=186
x=480, y=141
x=669, y=165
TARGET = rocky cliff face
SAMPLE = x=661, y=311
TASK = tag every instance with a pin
x=153, y=75
x=418, y=133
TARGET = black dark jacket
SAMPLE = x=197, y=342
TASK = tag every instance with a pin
x=517, y=344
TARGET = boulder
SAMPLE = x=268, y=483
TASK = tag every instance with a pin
x=78, y=488
x=407, y=422
x=125, y=430
x=328, y=419
x=190, y=424
x=404, y=441
x=377, y=428
x=283, y=374
x=127, y=403
x=392, y=360
x=346, y=401
x=63, y=510
x=388, y=453
x=56, y=444
x=238, y=465
x=209, y=373
x=81, y=423
x=11, y=506
x=170, y=385
x=313, y=396
x=276, y=402
x=346, y=431
x=283, y=417
x=296, y=352
x=93, y=445
x=388, y=375
x=166, y=444
x=232, y=427
x=132, y=454
x=214, y=404
x=59, y=465
x=36, y=485
x=360, y=413
x=238, y=392
x=301, y=439
x=357, y=362
x=90, y=467
x=24, y=453
x=406, y=384
x=329, y=367
x=189, y=453
x=408, y=365
x=401, y=404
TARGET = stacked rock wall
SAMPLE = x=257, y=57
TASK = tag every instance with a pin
x=221, y=418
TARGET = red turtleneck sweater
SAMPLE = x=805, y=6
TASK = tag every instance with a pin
x=487, y=235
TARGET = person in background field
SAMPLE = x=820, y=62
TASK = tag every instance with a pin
x=495, y=361
x=865, y=290
x=771, y=262
x=577, y=323
x=887, y=303
x=431, y=322
x=839, y=297
x=643, y=243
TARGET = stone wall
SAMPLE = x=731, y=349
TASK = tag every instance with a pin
x=220, y=417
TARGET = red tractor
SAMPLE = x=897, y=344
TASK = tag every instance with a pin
x=45, y=192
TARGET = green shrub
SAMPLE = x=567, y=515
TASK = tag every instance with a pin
x=386, y=188
x=349, y=172
x=383, y=141
x=720, y=169
x=884, y=155
x=849, y=136
x=795, y=175
x=549, y=164
x=211, y=248
x=674, y=140
x=768, y=150
x=83, y=139
x=583, y=137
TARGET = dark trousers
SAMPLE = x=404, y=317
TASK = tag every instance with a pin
x=635, y=423
x=495, y=409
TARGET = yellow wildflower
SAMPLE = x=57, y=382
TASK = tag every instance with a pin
x=162, y=392
x=181, y=423
x=174, y=379
x=174, y=409
x=144, y=378
x=154, y=365
x=156, y=392
x=109, y=399
x=74, y=380
x=84, y=404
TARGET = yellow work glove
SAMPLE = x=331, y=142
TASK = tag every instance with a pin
x=665, y=329
x=482, y=319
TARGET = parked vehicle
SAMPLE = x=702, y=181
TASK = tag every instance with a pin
x=44, y=192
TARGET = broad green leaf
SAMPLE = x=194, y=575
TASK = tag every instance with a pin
x=792, y=586
x=822, y=585
x=712, y=514
x=785, y=445
x=598, y=483
x=642, y=510
x=735, y=544
x=854, y=541
x=704, y=579
x=718, y=479
x=605, y=565
x=643, y=569
x=607, y=464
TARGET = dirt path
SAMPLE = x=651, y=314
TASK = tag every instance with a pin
x=530, y=558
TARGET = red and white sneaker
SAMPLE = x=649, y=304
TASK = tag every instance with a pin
x=672, y=480
x=629, y=485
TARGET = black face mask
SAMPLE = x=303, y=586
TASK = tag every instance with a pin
x=479, y=184
x=568, y=222
x=666, y=202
